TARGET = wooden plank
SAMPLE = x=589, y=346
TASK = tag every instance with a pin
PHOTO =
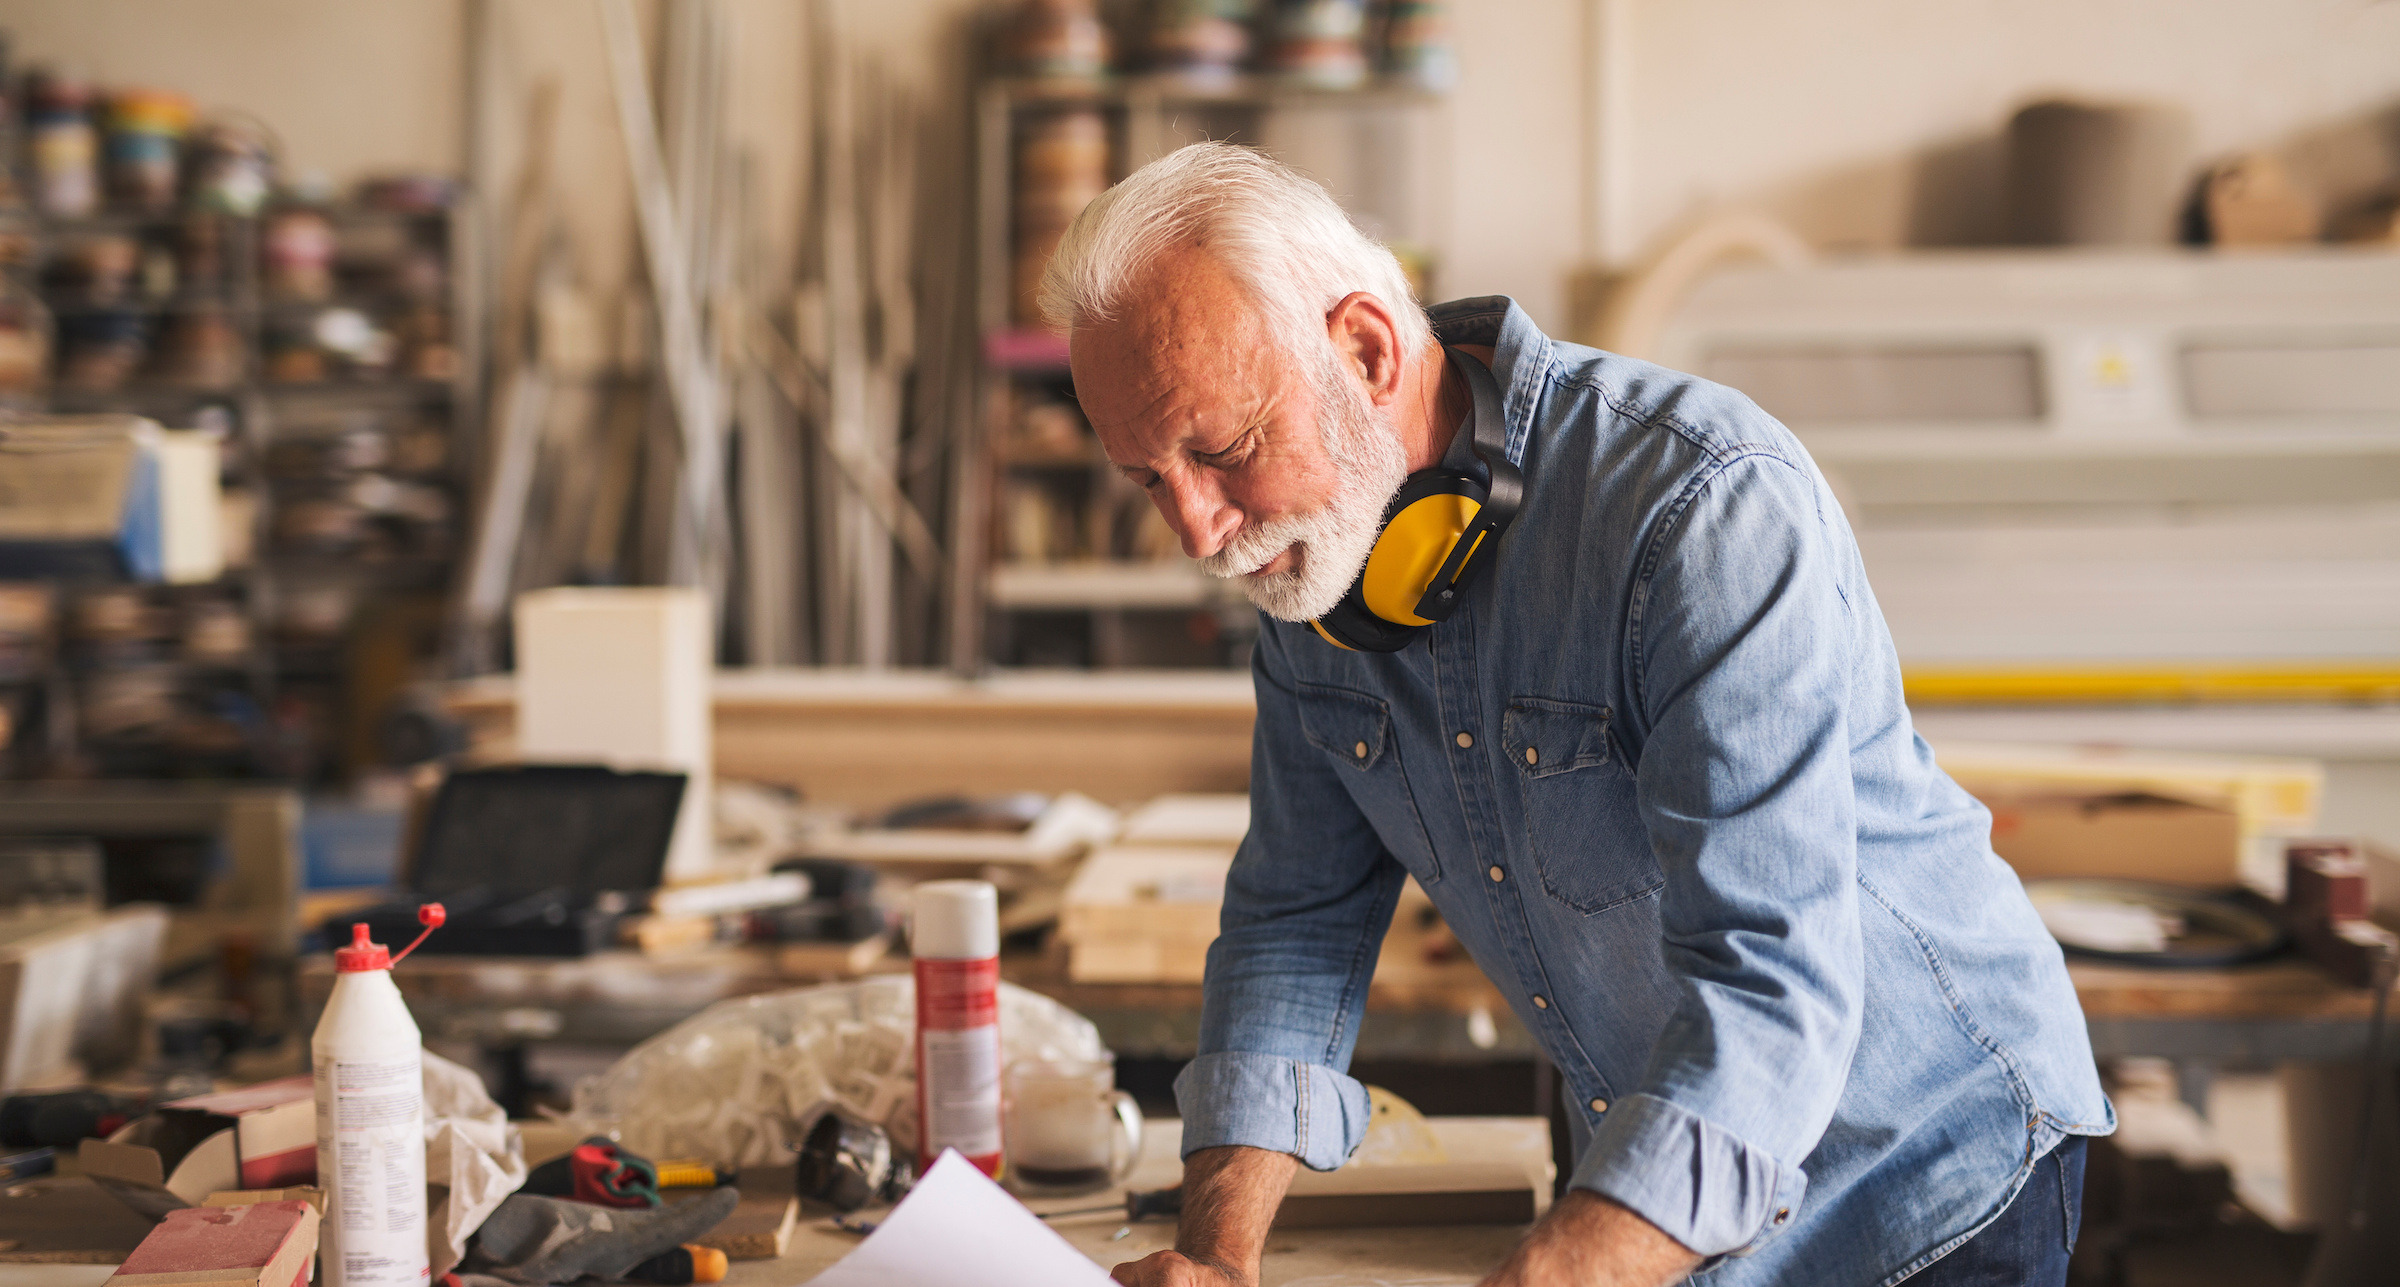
x=1146, y=894
x=1137, y=960
x=2269, y=991
x=1378, y=1197
x=759, y=1229
x=831, y=960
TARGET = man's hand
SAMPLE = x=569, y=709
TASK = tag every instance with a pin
x=1174, y=1269
x=1229, y=1199
x=1589, y=1241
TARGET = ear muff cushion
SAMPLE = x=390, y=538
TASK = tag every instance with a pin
x=1410, y=552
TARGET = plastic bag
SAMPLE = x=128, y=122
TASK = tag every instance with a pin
x=739, y=1083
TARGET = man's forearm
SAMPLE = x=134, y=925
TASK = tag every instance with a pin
x=1590, y=1241
x=1230, y=1196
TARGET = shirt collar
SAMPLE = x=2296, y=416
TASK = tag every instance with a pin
x=1520, y=356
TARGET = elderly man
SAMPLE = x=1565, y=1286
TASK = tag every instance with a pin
x=1584, y=646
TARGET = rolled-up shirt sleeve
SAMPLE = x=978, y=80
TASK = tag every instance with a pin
x=1745, y=659
x=1307, y=901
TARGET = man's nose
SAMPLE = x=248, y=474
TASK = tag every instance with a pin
x=1199, y=514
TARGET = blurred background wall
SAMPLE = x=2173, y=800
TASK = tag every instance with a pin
x=1863, y=123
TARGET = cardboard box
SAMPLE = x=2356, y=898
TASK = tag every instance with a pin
x=2132, y=836
x=259, y=1137
x=266, y=1244
x=274, y=1129
x=155, y=1166
x=71, y=990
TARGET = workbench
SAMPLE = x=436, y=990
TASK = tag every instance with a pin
x=2250, y=1017
x=1422, y=1256
x=64, y=1217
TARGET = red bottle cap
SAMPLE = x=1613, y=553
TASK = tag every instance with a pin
x=361, y=954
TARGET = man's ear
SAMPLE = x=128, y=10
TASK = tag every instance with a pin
x=1365, y=334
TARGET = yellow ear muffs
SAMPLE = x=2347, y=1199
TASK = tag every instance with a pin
x=1432, y=543
x=1411, y=551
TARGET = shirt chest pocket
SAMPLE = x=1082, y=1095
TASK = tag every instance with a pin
x=1581, y=819
x=1354, y=730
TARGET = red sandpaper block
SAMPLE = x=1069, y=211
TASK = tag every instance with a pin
x=265, y=1244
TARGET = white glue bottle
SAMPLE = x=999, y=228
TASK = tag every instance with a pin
x=370, y=1068
x=956, y=941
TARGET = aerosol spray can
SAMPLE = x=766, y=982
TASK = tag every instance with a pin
x=956, y=941
x=370, y=1068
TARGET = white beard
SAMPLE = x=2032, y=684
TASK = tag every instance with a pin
x=1331, y=543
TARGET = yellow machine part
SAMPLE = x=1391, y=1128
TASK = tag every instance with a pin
x=1397, y=1134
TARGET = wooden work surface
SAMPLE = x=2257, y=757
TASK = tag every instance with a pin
x=2285, y=989
x=1435, y=1256
x=66, y=1218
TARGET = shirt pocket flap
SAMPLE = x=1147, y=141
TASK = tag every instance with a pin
x=1544, y=737
x=1350, y=726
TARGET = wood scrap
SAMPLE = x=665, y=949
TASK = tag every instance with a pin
x=831, y=960
x=1143, y=914
x=668, y=935
x=759, y=1229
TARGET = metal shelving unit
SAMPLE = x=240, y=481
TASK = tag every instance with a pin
x=260, y=416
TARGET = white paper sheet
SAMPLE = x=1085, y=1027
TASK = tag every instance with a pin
x=958, y=1229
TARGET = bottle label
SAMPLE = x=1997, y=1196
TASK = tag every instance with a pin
x=371, y=1162
x=958, y=1061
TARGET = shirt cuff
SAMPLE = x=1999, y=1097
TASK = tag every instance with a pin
x=1699, y=1183
x=1270, y=1102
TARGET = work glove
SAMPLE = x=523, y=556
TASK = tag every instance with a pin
x=534, y=1239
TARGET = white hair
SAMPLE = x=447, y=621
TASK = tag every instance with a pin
x=1280, y=234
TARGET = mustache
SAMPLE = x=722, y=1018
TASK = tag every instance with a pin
x=1256, y=545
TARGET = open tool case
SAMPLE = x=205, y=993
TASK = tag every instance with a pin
x=532, y=860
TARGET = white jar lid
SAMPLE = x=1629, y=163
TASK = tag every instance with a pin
x=956, y=920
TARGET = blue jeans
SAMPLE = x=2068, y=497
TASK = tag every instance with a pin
x=2029, y=1244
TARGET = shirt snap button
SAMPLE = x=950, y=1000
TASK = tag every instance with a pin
x=1599, y=1105
x=1359, y=750
x=1465, y=740
x=1498, y=875
x=1783, y=1214
x=1541, y=1003
x=1532, y=756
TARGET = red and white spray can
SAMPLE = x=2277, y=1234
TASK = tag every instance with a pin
x=370, y=1072
x=956, y=942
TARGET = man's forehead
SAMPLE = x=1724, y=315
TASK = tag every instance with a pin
x=1183, y=320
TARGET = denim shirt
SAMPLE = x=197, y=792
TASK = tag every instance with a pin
x=1658, y=777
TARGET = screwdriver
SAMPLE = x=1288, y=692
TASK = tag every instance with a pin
x=1139, y=1205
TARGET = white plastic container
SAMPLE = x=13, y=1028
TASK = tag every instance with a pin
x=955, y=938
x=370, y=1072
